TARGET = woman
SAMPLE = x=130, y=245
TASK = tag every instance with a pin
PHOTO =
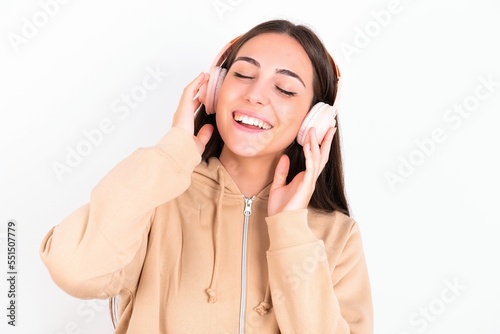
x=228, y=224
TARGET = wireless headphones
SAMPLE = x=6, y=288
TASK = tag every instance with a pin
x=321, y=116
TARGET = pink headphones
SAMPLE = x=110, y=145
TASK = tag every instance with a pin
x=321, y=116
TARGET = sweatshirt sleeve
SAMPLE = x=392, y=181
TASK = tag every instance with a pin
x=99, y=249
x=309, y=296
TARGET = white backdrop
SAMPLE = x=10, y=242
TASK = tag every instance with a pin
x=419, y=128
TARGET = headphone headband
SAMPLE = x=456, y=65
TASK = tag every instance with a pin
x=224, y=53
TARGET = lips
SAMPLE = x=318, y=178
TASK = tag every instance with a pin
x=251, y=121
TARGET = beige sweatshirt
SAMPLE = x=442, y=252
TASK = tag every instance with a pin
x=185, y=252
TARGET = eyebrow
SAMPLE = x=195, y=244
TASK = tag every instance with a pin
x=278, y=71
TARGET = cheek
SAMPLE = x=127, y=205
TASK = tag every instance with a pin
x=223, y=104
x=227, y=90
x=291, y=116
x=222, y=120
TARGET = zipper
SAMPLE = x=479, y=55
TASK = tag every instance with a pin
x=246, y=212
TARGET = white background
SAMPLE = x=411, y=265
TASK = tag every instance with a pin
x=435, y=226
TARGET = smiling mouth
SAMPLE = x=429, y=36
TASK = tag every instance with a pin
x=251, y=121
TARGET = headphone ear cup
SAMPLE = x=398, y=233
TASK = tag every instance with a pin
x=212, y=89
x=321, y=117
x=218, y=84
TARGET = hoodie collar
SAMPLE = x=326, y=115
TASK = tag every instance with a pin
x=215, y=170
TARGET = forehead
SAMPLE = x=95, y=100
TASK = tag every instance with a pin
x=278, y=50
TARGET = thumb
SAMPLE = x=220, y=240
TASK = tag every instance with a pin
x=204, y=136
x=281, y=172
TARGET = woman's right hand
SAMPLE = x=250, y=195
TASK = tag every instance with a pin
x=184, y=115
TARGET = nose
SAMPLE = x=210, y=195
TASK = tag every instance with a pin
x=258, y=92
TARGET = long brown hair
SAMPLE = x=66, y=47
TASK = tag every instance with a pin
x=329, y=194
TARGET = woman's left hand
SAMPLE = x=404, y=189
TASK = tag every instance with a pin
x=297, y=194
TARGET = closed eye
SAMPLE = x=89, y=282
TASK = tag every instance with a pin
x=286, y=92
x=281, y=90
x=239, y=75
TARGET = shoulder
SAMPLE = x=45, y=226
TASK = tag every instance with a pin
x=342, y=240
x=336, y=229
x=330, y=221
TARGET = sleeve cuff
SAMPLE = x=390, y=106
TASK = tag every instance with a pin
x=177, y=139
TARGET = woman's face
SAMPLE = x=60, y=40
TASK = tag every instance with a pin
x=265, y=96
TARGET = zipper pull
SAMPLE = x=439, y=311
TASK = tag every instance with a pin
x=248, y=206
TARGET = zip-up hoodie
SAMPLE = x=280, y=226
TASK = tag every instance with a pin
x=182, y=250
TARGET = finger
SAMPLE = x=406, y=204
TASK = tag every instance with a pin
x=191, y=90
x=195, y=85
x=309, y=172
x=205, y=134
x=326, y=146
x=315, y=152
x=202, y=91
x=281, y=172
x=188, y=104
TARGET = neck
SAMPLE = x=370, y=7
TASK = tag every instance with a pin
x=251, y=174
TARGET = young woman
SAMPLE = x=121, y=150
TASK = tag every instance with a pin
x=228, y=224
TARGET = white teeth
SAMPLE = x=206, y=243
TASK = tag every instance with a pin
x=245, y=119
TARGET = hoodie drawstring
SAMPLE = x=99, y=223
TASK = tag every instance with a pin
x=265, y=305
x=212, y=289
